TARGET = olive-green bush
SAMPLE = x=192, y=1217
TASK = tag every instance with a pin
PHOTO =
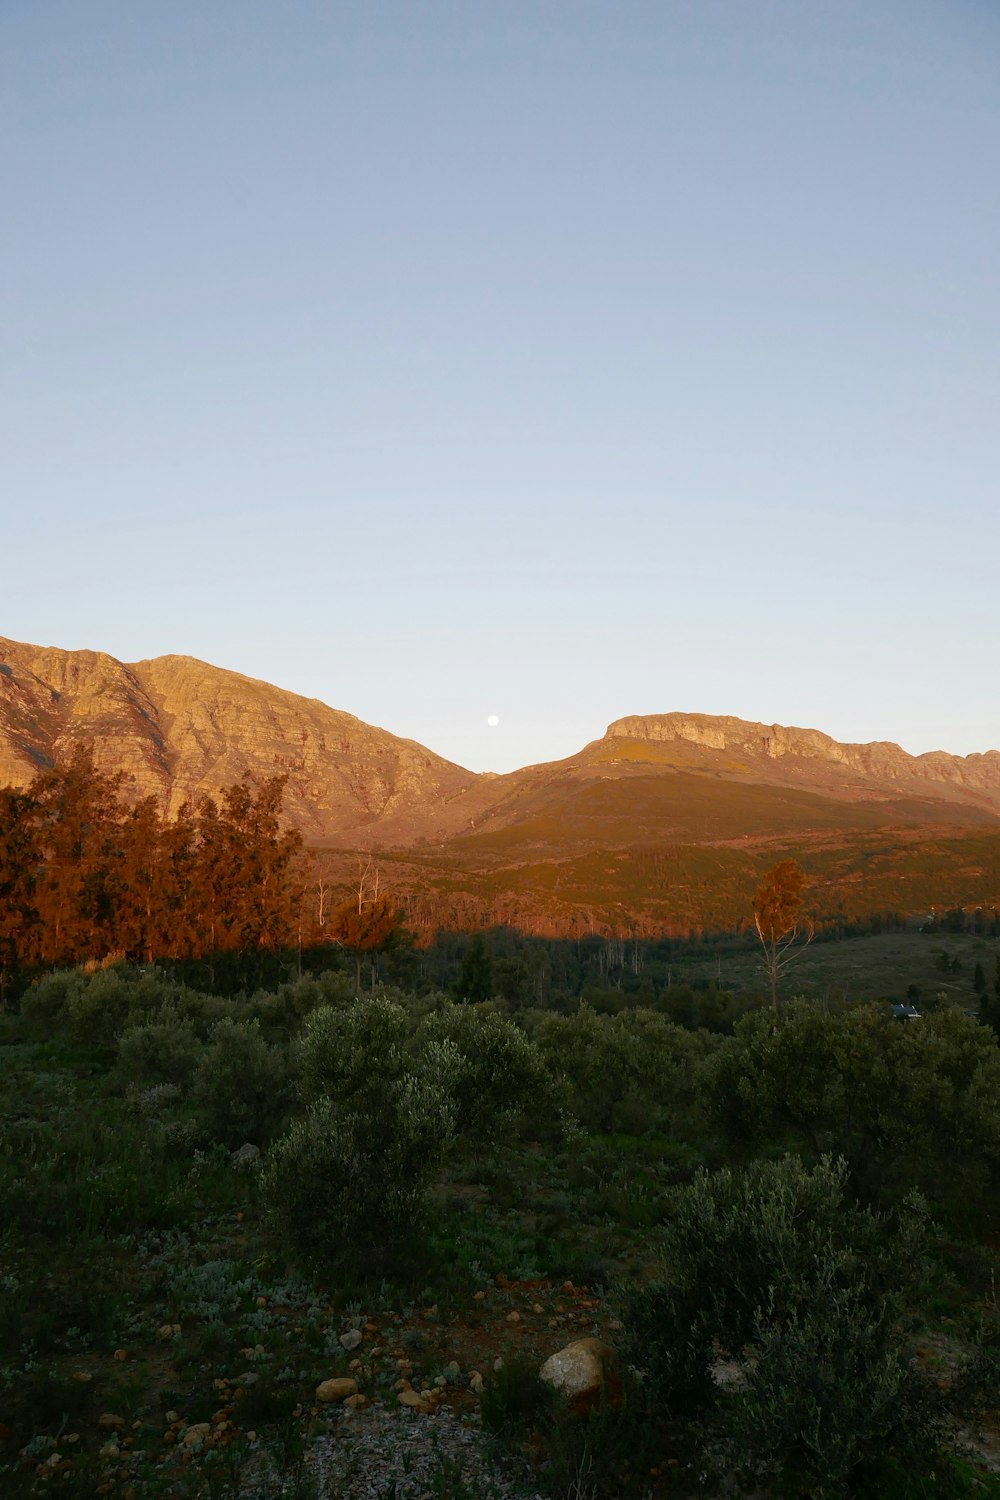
x=347, y=1188
x=241, y=1085
x=164, y=1050
x=496, y=1077
x=629, y=1072
x=775, y=1270
x=914, y=1105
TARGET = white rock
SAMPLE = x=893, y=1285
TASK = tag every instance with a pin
x=581, y=1371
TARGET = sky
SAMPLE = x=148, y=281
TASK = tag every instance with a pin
x=548, y=361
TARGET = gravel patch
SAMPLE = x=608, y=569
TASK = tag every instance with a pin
x=382, y=1453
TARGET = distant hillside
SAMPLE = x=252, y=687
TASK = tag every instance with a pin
x=658, y=820
x=182, y=728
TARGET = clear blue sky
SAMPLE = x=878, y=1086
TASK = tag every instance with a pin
x=554, y=360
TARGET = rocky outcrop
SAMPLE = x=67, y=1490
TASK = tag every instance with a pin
x=181, y=729
x=807, y=756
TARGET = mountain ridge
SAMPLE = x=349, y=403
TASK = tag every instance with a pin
x=183, y=728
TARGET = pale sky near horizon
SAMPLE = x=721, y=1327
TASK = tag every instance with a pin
x=552, y=361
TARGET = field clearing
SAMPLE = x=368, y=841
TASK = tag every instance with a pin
x=879, y=967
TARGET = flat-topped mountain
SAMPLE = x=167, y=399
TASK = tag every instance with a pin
x=181, y=728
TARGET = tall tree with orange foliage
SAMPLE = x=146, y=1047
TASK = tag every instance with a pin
x=780, y=921
x=20, y=863
x=366, y=922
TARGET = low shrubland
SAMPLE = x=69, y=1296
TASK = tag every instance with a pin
x=786, y=1231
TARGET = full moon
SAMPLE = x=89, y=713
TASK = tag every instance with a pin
x=493, y=720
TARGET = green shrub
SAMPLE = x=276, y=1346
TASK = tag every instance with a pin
x=630, y=1072
x=828, y=1392
x=353, y=1055
x=44, y=1003
x=161, y=1051
x=774, y=1270
x=497, y=1078
x=240, y=1084
x=347, y=1188
x=906, y=1106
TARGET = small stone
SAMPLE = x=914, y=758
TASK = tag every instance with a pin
x=72, y=1437
x=479, y=1296
x=355, y=1364
x=439, y=1380
x=568, y=1286
x=121, y=1355
x=352, y=1338
x=498, y=1363
x=108, y=1420
x=538, y=1308
x=84, y=1377
x=54, y=1460
x=355, y=1403
x=513, y=1317
x=108, y=1450
x=337, y=1389
x=165, y=1331
x=452, y=1372
x=414, y=1401
x=476, y=1383
x=252, y=1435
x=196, y=1434
x=261, y=1301
x=173, y=1416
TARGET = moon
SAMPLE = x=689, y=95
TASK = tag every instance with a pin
x=493, y=720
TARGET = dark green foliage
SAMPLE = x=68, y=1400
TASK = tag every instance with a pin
x=240, y=1085
x=630, y=1072
x=475, y=977
x=914, y=1105
x=346, y=1188
x=156, y=1052
x=353, y=1054
x=378, y=1169
x=497, y=1077
x=773, y=1270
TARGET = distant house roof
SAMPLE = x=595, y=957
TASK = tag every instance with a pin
x=905, y=1012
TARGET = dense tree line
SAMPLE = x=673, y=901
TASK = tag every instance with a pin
x=85, y=872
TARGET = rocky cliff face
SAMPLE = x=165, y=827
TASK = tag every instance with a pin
x=181, y=729
x=772, y=752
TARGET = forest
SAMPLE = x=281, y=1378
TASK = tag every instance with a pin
x=251, y=1171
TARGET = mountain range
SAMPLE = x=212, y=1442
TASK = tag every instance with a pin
x=649, y=787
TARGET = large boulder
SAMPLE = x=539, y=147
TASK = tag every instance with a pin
x=585, y=1372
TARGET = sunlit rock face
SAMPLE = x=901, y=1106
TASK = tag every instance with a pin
x=810, y=756
x=181, y=729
